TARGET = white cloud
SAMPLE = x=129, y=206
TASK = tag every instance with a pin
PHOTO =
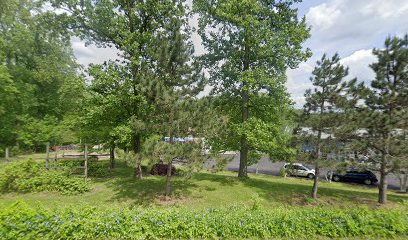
x=386, y=9
x=92, y=54
x=196, y=39
x=81, y=50
x=351, y=28
x=348, y=25
x=323, y=16
x=298, y=82
x=358, y=64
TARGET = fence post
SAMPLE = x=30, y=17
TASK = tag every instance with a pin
x=56, y=158
x=86, y=161
x=47, y=160
x=7, y=155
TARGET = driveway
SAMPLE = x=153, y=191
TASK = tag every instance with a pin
x=266, y=166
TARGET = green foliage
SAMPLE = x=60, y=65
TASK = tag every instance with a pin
x=40, y=86
x=250, y=45
x=22, y=222
x=320, y=118
x=318, y=122
x=283, y=172
x=188, y=154
x=220, y=162
x=34, y=133
x=379, y=112
x=122, y=95
x=104, y=118
x=30, y=176
x=8, y=92
x=95, y=168
x=256, y=202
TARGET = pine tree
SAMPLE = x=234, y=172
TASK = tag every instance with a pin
x=401, y=164
x=320, y=113
x=380, y=113
x=179, y=80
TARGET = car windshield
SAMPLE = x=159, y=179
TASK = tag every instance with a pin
x=297, y=166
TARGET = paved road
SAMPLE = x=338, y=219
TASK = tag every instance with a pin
x=266, y=166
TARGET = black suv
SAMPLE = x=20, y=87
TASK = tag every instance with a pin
x=365, y=176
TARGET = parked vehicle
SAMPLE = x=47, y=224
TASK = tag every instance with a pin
x=298, y=169
x=358, y=176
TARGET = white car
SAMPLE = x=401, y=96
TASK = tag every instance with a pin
x=298, y=169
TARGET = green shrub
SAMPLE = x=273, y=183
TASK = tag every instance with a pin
x=95, y=168
x=283, y=172
x=30, y=176
x=22, y=222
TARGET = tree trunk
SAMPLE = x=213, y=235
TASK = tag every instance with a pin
x=168, y=179
x=330, y=176
x=112, y=156
x=319, y=151
x=243, y=157
x=382, y=187
x=315, y=182
x=136, y=148
x=403, y=177
x=137, y=173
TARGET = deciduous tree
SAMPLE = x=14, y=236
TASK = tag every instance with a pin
x=133, y=27
x=38, y=72
x=250, y=44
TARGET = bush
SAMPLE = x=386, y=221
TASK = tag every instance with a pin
x=30, y=176
x=283, y=172
x=95, y=168
x=161, y=169
x=22, y=222
x=145, y=169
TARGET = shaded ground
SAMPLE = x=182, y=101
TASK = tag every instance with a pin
x=209, y=190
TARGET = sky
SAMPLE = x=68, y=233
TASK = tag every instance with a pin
x=352, y=28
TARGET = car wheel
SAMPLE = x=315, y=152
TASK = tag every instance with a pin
x=336, y=178
x=367, y=182
x=310, y=175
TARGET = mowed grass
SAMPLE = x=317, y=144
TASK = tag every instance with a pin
x=208, y=190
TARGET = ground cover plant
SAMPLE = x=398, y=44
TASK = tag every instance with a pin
x=20, y=221
x=30, y=176
x=205, y=206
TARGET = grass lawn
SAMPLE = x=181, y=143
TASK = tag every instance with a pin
x=208, y=190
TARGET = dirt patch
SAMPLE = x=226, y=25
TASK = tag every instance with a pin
x=47, y=194
x=169, y=201
x=96, y=189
